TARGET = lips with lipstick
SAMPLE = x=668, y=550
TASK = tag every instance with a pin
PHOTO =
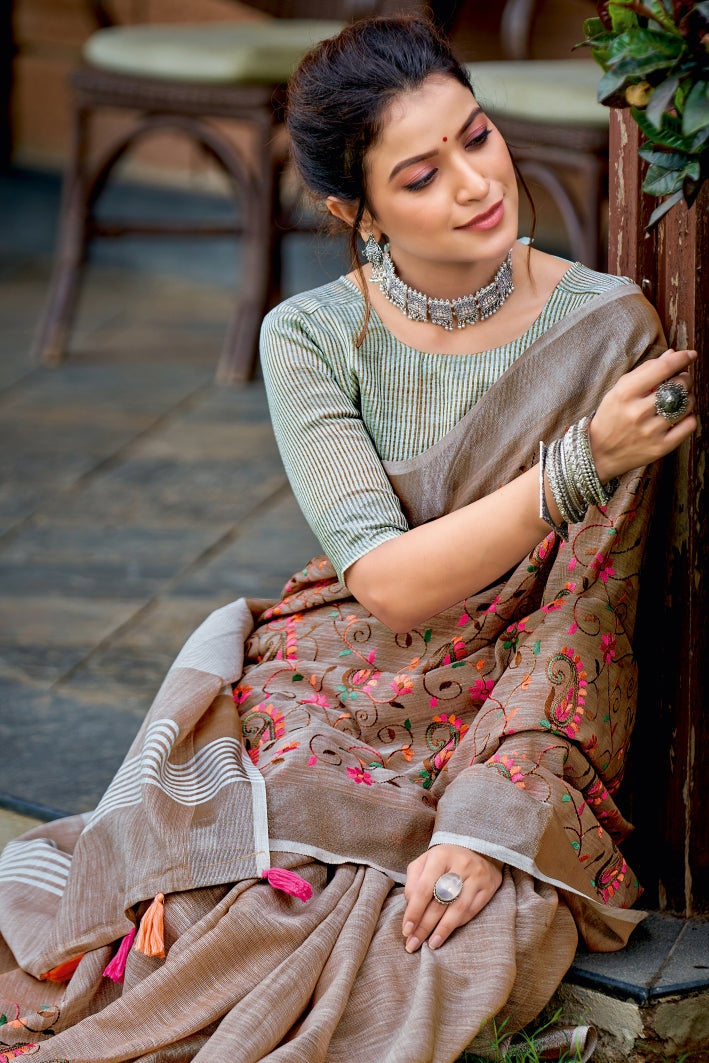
x=488, y=219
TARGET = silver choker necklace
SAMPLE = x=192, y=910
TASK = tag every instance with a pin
x=419, y=307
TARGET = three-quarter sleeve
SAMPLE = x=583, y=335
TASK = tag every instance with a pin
x=328, y=455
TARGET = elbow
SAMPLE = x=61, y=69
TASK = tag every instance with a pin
x=375, y=592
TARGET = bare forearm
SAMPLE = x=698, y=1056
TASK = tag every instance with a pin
x=418, y=574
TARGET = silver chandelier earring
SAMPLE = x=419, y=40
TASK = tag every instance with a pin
x=375, y=256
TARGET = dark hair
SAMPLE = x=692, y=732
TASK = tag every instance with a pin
x=340, y=91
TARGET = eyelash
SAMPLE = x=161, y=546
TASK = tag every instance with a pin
x=475, y=142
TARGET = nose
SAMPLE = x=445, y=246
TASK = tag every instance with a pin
x=471, y=182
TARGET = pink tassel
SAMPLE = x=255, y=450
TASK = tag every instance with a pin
x=117, y=967
x=288, y=882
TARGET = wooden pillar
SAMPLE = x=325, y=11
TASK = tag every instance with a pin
x=670, y=768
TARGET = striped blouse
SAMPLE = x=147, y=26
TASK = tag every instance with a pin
x=339, y=410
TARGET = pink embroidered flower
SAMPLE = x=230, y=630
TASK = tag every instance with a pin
x=573, y=628
x=312, y=761
x=608, y=645
x=317, y=699
x=507, y=767
x=572, y=564
x=402, y=684
x=492, y=607
x=360, y=775
x=287, y=748
x=241, y=693
x=365, y=675
x=481, y=689
x=603, y=567
x=465, y=619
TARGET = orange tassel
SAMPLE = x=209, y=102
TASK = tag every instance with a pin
x=63, y=972
x=150, y=940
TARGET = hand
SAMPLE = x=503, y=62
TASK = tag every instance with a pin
x=425, y=916
x=626, y=431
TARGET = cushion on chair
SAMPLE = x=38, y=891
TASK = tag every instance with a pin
x=562, y=91
x=214, y=52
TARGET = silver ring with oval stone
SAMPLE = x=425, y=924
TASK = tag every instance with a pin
x=448, y=888
x=671, y=401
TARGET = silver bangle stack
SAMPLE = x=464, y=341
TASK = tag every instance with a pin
x=571, y=472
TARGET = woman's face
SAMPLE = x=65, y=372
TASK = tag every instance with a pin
x=440, y=181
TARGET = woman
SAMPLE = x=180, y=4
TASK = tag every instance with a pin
x=390, y=850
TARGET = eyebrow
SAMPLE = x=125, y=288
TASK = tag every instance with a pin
x=429, y=154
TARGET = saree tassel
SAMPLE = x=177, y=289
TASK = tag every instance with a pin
x=150, y=939
x=116, y=969
x=63, y=971
x=288, y=882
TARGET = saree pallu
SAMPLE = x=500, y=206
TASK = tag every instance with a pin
x=304, y=734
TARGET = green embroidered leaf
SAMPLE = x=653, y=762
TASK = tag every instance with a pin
x=407, y=724
x=576, y=845
x=297, y=678
x=459, y=664
x=427, y=634
x=335, y=614
x=566, y=798
x=3, y=1019
x=545, y=724
x=344, y=653
x=537, y=647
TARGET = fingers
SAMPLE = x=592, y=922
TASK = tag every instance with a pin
x=428, y=919
x=656, y=370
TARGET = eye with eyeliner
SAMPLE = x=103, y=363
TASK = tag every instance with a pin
x=476, y=141
x=478, y=138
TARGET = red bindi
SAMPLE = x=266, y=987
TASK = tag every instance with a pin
x=445, y=139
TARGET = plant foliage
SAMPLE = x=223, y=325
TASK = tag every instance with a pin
x=655, y=57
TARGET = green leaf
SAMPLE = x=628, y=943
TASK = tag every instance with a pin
x=621, y=18
x=565, y=797
x=660, y=212
x=660, y=182
x=296, y=678
x=427, y=634
x=669, y=136
x=665, y=160
x=537, y=647
x=459, y=664
x=593, y=27
x=611, y=89
x=696, y=109
x=662, y=95
x=344, y=653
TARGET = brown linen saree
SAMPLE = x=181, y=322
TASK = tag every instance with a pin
x=306, y=735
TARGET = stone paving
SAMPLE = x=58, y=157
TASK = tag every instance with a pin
x=135, y=497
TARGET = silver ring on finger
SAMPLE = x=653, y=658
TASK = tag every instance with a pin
x=671, y=401
x=448, y=888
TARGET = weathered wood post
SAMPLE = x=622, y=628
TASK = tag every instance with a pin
x=670, y=777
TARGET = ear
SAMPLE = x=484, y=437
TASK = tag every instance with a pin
x=346, y=211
